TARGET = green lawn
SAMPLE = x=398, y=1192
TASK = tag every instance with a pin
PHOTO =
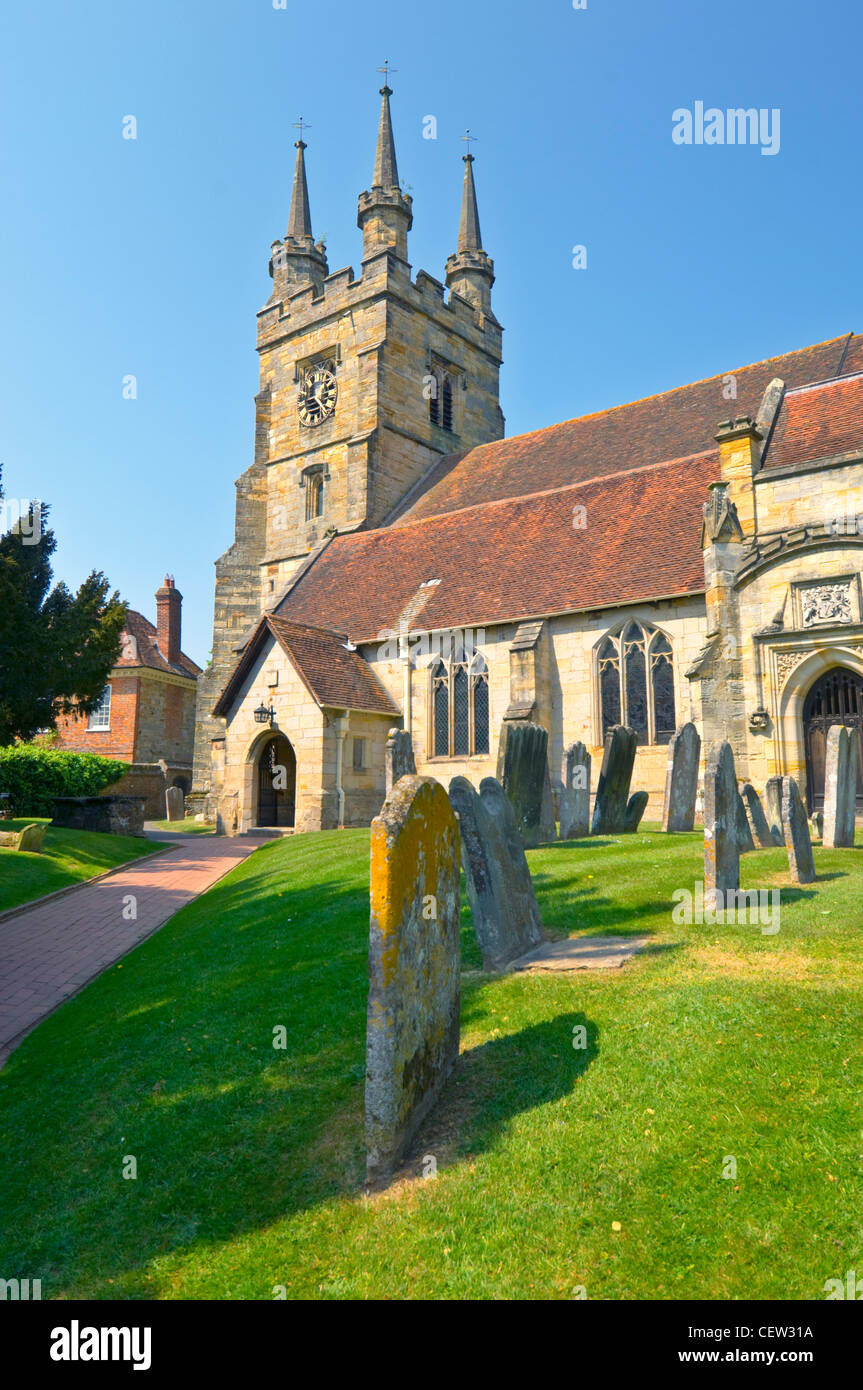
x=189, y=826
x=719, y=1043
x=67, y=857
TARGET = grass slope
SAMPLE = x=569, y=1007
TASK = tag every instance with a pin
x=67, y=857
x=717, y=1043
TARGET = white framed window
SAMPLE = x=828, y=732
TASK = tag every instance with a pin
x=100, y=718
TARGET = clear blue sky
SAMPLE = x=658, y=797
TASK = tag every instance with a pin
x=150, y=256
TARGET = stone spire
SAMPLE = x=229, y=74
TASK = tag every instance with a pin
x=469, y=271
x=386, y=173
x=300, y=220
x=384, y=213
x=298, y=260
x=469, y=237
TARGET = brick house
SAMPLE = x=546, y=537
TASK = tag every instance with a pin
x=147, y=714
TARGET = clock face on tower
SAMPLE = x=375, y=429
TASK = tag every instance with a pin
x=318, y=391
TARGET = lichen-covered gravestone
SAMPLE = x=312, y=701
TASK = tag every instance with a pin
x=635, y=809
x=755, y=815
x=721, y=845
x=681, y=779
x=502, y=901
x=575, y=793
x=773, y=798
x=522, y=770
x=612, y=790
x=797, y=838
x=745, y=841
x=398, y=757
x=412, y=1028
x=547, y=822
x=175, y=803
x=840, y=787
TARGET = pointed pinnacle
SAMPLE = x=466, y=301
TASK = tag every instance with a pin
x=386, y=173
x=469, y=238
x=300, y=220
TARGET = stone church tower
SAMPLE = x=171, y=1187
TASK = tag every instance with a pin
x=366, y=383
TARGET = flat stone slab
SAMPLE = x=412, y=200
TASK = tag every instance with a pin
x=582, y=953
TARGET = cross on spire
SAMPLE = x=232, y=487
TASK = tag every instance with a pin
x=301, y=125
x=386, y=70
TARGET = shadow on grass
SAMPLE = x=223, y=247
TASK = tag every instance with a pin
x=499, y=1080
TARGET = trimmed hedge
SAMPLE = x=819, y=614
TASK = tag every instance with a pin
x=33, y=775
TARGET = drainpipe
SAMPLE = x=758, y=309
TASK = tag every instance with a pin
x=340, y=724
x=406, y=693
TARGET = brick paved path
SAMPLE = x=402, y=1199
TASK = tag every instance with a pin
x=50, y=951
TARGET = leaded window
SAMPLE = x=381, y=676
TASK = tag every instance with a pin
x=460, y=708
x=636, y=682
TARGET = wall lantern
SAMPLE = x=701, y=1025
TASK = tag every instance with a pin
x=264, y=715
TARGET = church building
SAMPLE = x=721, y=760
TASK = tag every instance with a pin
x=398, y=562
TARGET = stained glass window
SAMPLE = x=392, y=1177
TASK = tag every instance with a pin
x=636, y=681
x=662, y=680
x=609, y=681
x=440, y=697
x=479, y=691
x=644, y=697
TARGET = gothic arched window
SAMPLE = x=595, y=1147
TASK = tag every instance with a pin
x=314, y=493
x=459, y=708
x=636, y=682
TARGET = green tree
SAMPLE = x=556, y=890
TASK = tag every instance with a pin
x=56, y=648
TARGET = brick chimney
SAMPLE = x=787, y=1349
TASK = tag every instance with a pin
x=169, y=607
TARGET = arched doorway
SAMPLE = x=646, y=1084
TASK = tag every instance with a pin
x=277, y=782
x=835, y=698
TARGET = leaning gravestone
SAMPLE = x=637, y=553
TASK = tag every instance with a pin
x=522, y=770
x=797, y=838
x=681, y=779
x=398, y=757
x=547, y=822
x=773, y=797
x=635, y=808
x=721, y=845
x=412, y=1028
x=502, y=901
x=612, y=791
x=744, y=834
x=175, y=803
x=840, y=787
x=758, y=826
x=575, y=793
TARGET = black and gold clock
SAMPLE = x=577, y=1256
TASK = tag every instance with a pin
x=316, y=401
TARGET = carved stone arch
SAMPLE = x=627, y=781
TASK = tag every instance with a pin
x=792, y=697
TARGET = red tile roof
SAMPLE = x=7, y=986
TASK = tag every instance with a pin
x=335, y=677
x=519, y=557
x=145, y=635
x=817, y=422
x=672, y=425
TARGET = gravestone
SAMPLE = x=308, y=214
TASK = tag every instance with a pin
x=398, y=757
x=547, y=822
x=522, y=770
x=797, y=840
x=502, y=901
x=773, y=798
x=612, y=790
x=412, y=1027
x=681, y=780
x=744, y=835
x=721, y=845
x=816, y=825
x=635, y=808
x=27, y=841
x=575, y=793
x=755, y=815
x=175, y=803
x=840, y=787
